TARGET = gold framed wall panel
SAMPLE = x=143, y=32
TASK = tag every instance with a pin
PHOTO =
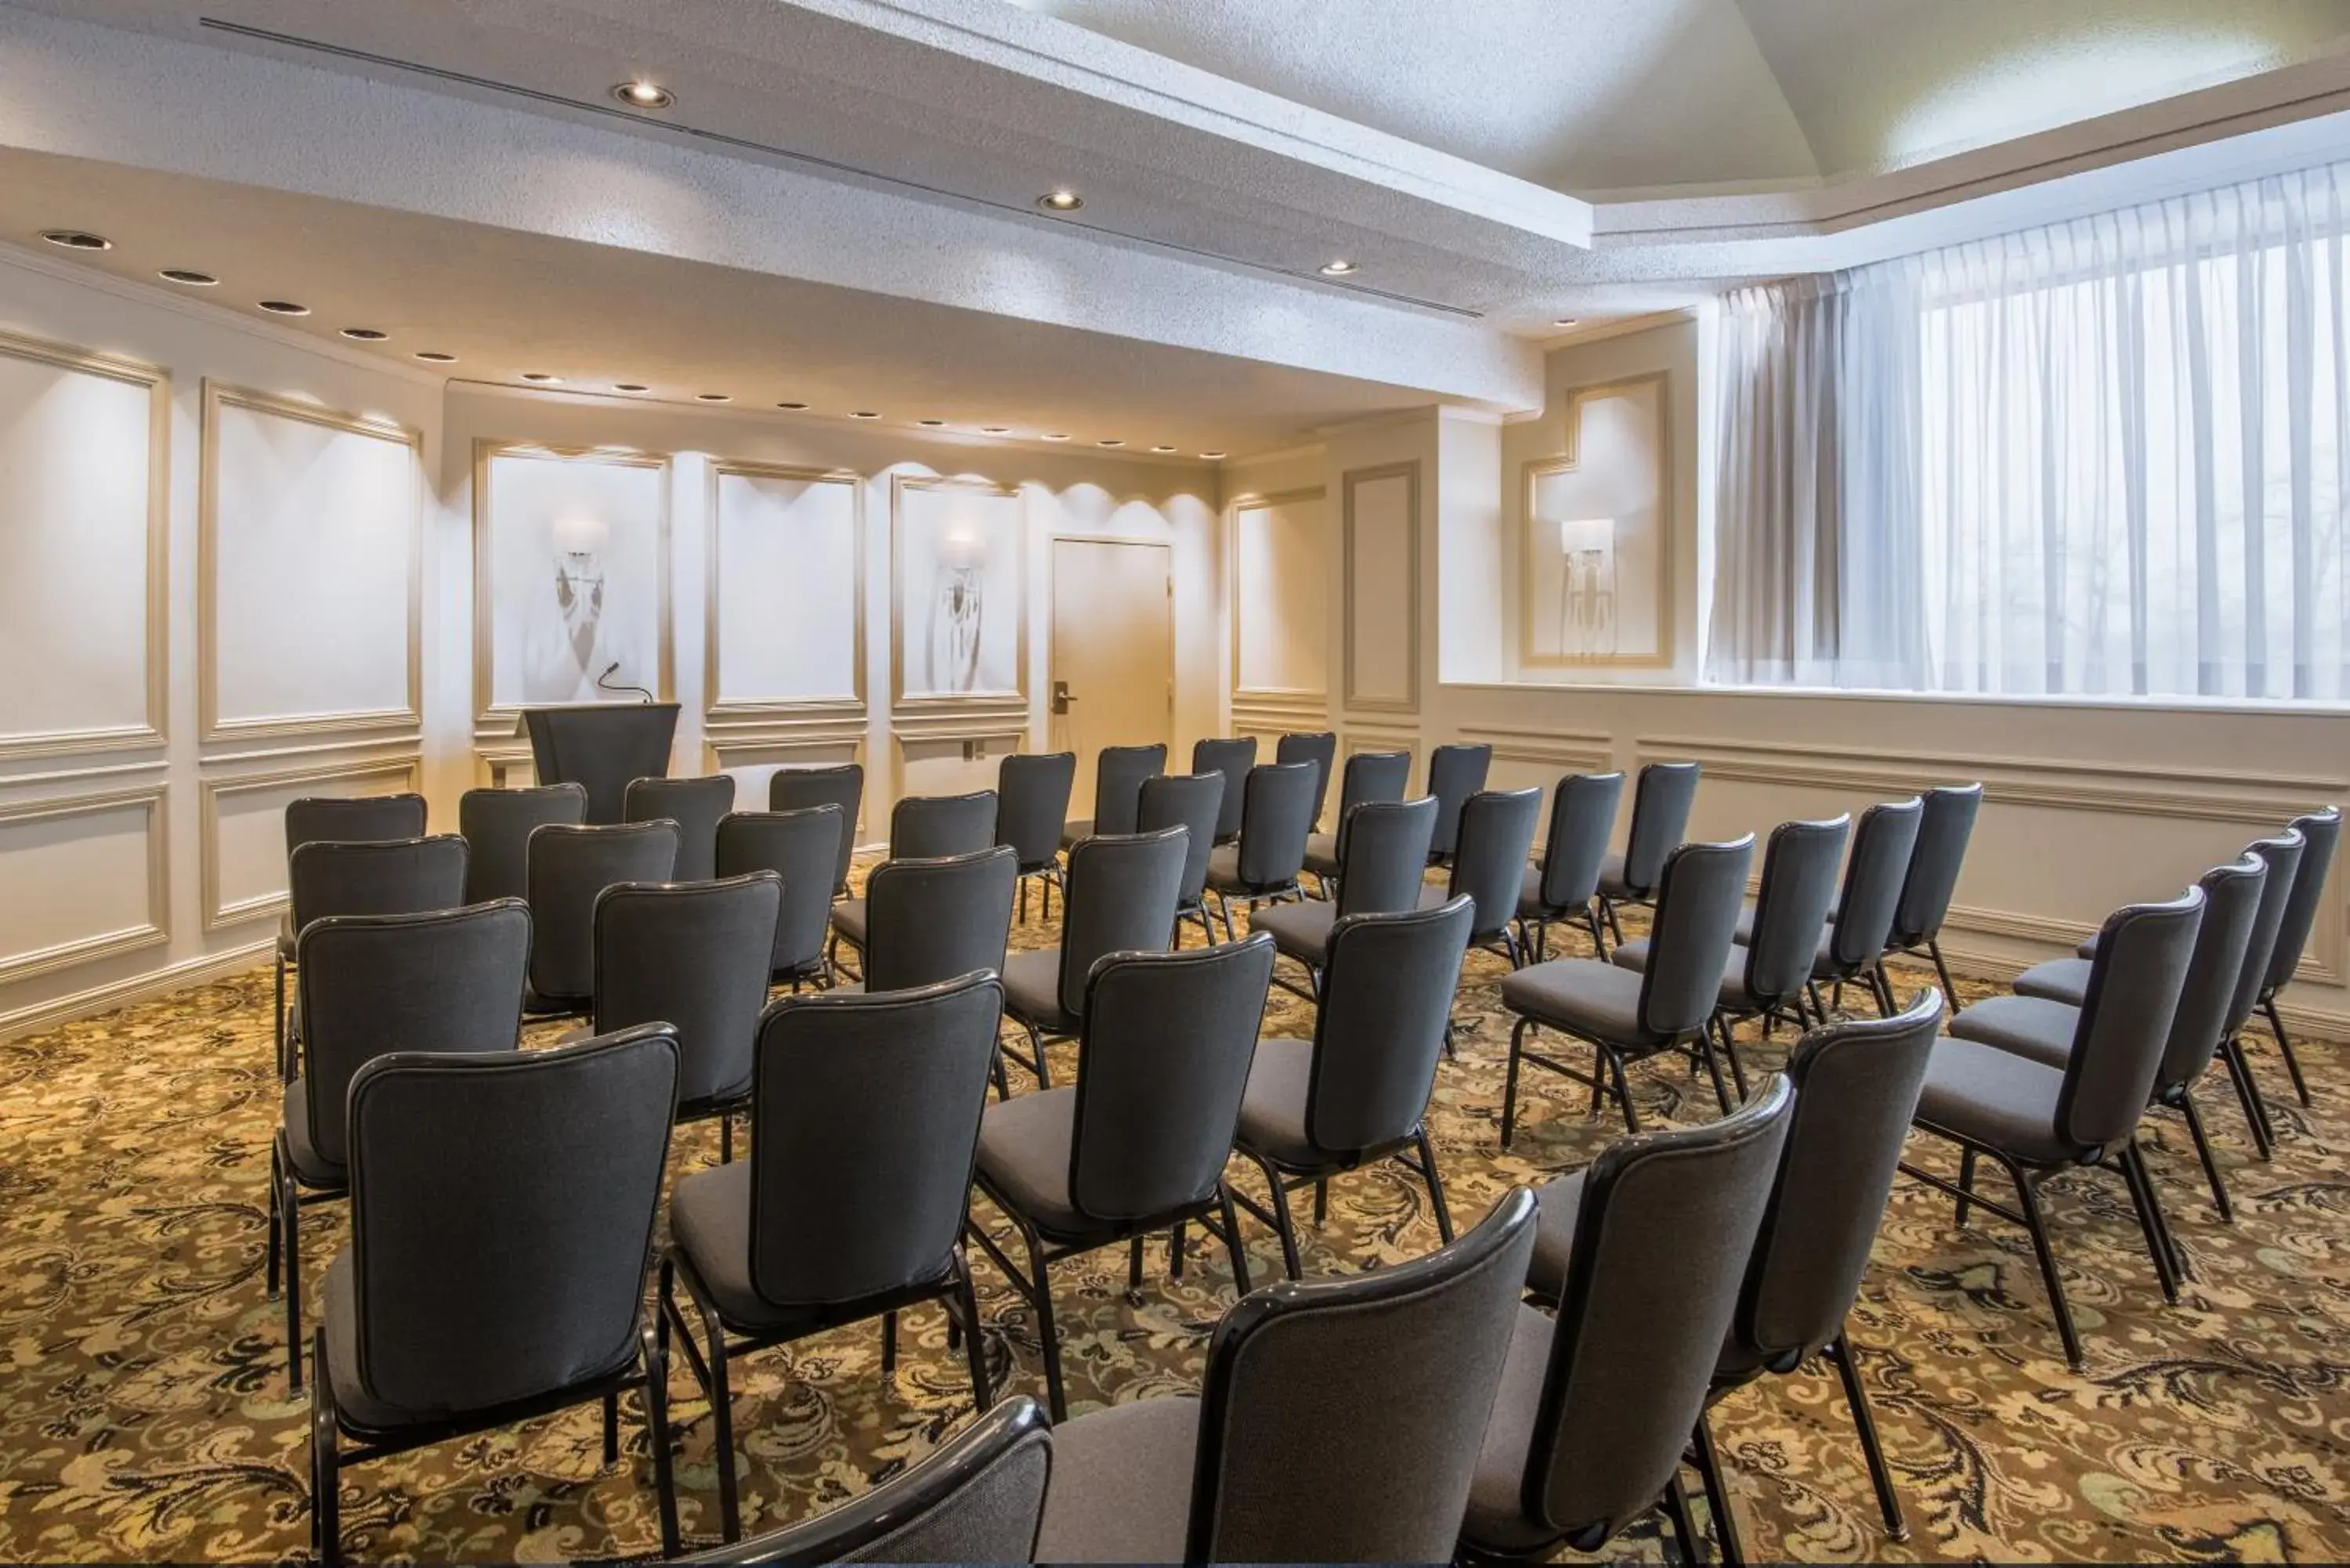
x=759, y=713
x=156, y=929
x=1409, y=703
x=1255, y=501
x=1532, y=472
x=956, y=713
x=408, y=767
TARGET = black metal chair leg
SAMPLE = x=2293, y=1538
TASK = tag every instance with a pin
x=2284, y=1046
x=1598, y=943
x=270, y=1264
x=1233, y=1241
x=888, y=1345
x=1879, y=1474
x=289, y=1204
x=277, y=1022
x=2187, y=1109
x=1713, y=1068
x=2248, y=1096
x=1730, y=1050
x=1282, y=1225
x=326, y=1471
x=1322, y=1202
x=1717, y=1497
x=1435, y=1186
x=1966, y=1182
x=1177, y=1246
x=1134, y=1264
x=974, y=1340
x=1675, y=1510
x=2028, y=1201
x=1036, y=1049
x=657, y=1437
x=2170, y=1260
x=1623, y=1091
x=1510, y=1084
x=1040, y=1297
x=612, y=1430
x=1949, y=987
x=725, y=1138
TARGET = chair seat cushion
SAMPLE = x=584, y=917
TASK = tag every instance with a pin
x=1024, y=1158
x=1302, y=930
x=1996, y=1097
x=1495, y=1520
x=710, y=1221
x=2088, y=948
x=1556, y=1205
x=311, y=1168
x=1121, y=1487
x=2029, y=1026
x=1032, y=990
x=1322, y=854
x=1530, y=899
x=1732, y=995
x=2058, y=979
x=1745, y=932
x=1225, y=868
x=1583, y=996
x=1273, y=1109
x=1078, y=830
x=849, y=919
x=1612, y=885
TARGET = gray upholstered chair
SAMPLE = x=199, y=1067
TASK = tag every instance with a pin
x=840, y=784
x=1661, y=798
x=2039, y=1019
x=1768, y=971
x=1564, y=884
x=922, y=827
x=1319, y=747
x=852, y=1203
x=1336, y=1422
x=496, y=824
x=1940, y=853
x=447, y=980
x=1368, y=776
x=1190, y=802
x=1358, y=1091
x=1264, y=865
x=933, y=921
x=2034, y=1119
x=1140, y=1143
x=1626, y=1016
x=1235, y=757
x=1032, y=802
x=1120, y=898
x=502, y=1221
x=360, y=877
x=1852, y=948
x=2321, y=833
x=800, y=846
x=694, y=956
x=1597, y=1405
x=357, y=819
x=1118, y=773
x=1387, y=843
x=1495, y=833
x=697, y=805
x=569, y=868
x=1455, y=773
x=976, y=1497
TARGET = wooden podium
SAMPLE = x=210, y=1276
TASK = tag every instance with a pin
x=602, y=747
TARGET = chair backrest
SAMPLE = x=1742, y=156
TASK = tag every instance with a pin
x=2282, y=855
x=1191, y=802
x=1276, y=817
x=1667, y=1224
x=1032, y=804
x=1340, y=1421
x=1699, y=894
x=930, y=827
x=354, y=819
x=1489, y=856
x=1368, y=776
x=1935, y=862
x=502, y=1216
x=375, y=876
x=1661, y=799
x=1232, y=757
x=1873, y=878
x=801, y=846
x=695, y=956
x=496, y=824
x=1856, y=1087
x=1582, y=820
x=568, y=869
x=1162, y=1061
x=450, y=980
x=979, y=1497
x=697, y=805
x=1386, y=997
x=931, y=921
x=1121, y=897
x=1791, y=908
x=841, y=784
x=864, y=1127
x=1319, y=747
x=1387, y=855
x=1118, y=773
x=2320, y=832
x=1455, y=773
x=2125, y=1016
x=2215, y=969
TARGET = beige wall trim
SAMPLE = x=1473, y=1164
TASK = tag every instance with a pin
x=1407, y=702
x=1667, y=547
x=1257, y=500
x=964, y=708
x=409, y=768
x=153, y=932
x=1582, y=751
x=851, y=703
x=141, y=987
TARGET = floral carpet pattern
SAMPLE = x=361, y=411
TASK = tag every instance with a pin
x=145, y=1412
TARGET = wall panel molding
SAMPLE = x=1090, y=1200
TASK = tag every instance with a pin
x=722, y=712
x=140, y=987
x=153, y=932
x=1577, y=751
x=1355, y=574
x=406, y=769
x=153, y=730
x=1236, y=597
x=955, y=714
x=218, y=398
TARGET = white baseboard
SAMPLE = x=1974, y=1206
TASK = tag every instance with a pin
x=136, y=987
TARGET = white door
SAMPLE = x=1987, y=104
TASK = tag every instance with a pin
x=1113, y=656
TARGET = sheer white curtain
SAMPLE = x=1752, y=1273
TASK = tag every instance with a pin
x=2107, y=457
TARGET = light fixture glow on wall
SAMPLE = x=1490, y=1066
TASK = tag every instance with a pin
x=1586, y=584
x=1060, y=201
x=78, y=239
x=995, y=429
x=931, y=424
x=1162, y=449
x=643, y=94
x=188, y=277
x=284, y=308
x=1339, y=268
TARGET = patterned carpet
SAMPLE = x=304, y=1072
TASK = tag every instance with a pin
x=143, y=1413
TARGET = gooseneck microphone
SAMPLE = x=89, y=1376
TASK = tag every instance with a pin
x=604, y=682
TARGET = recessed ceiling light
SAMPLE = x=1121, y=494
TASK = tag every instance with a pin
x=1056, y=435
x=995, y=429
x=77, y=240
x=629, y=386
x=366, y=334
x=932, y=423
x=1060, y=201
x=643, y=94
x=1567, y=321
x=188, y=275
x=1114, y=441
x=542, y=377
x=714, y=397
x=795, y=407
x=1162, y=449
x=434, y=357
x=864, y=414
x=1338, y=268
x=284, y=308
x=1212, y=456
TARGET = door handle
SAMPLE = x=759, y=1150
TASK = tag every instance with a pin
x=1061, y=698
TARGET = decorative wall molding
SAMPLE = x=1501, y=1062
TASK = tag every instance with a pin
x=154, y=930
x=1356, y=738
x=962, y=710
x=1408, y=700
x=219, y=396
x=1244, y=695
x=1529, y=475
x=974, y=722
x=1577, y=751
x=719, y=713
x=407, y=767
x=746, y=751
x=139, y=987
x=158, y=382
